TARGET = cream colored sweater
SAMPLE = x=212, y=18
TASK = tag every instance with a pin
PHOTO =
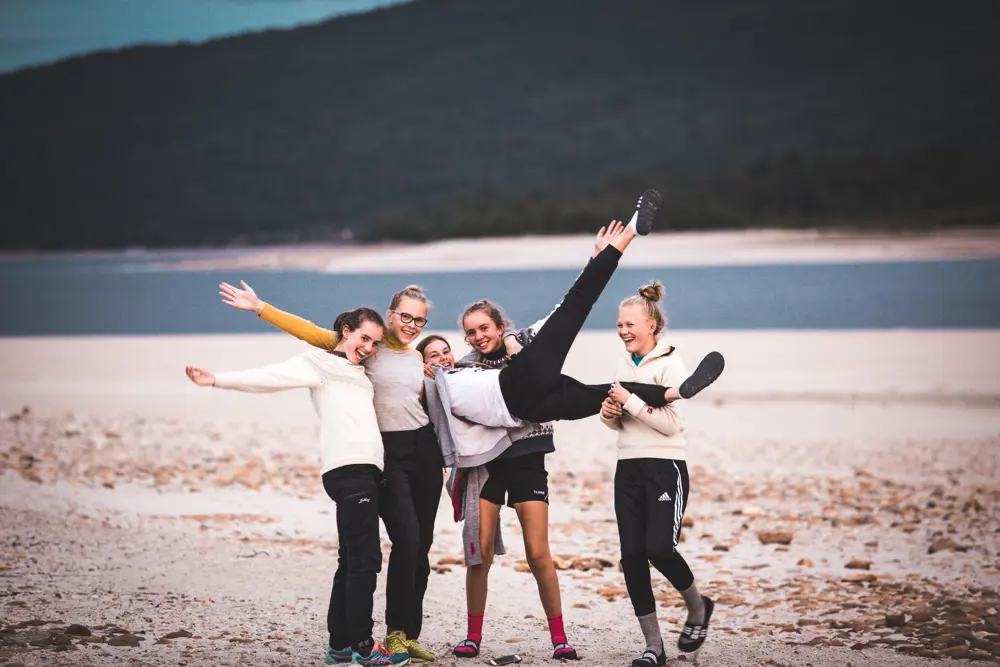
x=397, y=372
x=645, y=432
x=341, y=394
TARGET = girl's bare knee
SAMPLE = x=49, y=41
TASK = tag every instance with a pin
x=539, y=559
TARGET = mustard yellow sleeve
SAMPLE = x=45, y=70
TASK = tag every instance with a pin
x=299, y=327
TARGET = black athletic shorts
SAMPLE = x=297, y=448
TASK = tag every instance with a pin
x=519, y=479
x=650, y=499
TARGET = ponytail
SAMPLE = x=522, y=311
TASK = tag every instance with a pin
x=352, y=319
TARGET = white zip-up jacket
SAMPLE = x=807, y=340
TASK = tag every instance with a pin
x=341, y=394
x=645, y=432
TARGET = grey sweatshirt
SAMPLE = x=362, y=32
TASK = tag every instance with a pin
x=467, y=472
x=470, y=483
x=463, y=444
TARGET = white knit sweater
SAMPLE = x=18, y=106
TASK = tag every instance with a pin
x=341, y=394
x=645, y=432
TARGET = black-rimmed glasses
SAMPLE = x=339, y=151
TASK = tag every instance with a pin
x=406, y=318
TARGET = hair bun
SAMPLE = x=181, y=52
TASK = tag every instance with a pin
x=413, y=288
x=652, y=292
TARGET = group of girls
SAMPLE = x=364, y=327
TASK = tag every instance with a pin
x=381, y=456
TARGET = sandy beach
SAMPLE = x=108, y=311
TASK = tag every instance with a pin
x=748, y=247
x=137, y=505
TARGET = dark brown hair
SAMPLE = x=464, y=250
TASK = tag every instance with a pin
x=422, y=345
x=352, y=319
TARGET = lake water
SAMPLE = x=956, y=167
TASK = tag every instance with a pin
x=122, y=296
x=40, y=31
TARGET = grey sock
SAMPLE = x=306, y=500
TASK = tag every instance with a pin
x=651, y=631
x=695, y=605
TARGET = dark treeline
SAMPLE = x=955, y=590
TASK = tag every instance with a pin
x=451, y=117
x=930, y=189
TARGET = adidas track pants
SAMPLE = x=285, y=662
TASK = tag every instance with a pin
x=650, y=498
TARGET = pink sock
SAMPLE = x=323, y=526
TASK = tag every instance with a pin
x=556, y=629
x=476, y=628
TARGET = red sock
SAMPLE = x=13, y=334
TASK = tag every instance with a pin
x=556, y=629
x=476, y=628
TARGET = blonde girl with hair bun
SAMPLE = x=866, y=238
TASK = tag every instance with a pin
x=651, y=478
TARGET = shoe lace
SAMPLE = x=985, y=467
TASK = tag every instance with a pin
x=378, y=656
x=395, y=642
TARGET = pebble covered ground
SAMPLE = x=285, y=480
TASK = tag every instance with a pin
x=156, y=541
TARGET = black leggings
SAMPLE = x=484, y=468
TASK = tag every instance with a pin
x=650, y=498
x=355, y=490
x=408, y=503
x=532, y=382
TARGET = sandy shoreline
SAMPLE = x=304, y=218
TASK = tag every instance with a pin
x=662, y=249
x=131, y=499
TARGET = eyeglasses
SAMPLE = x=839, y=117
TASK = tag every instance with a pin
x=406, y=318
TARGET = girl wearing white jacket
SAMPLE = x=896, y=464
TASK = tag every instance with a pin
x=352, y=456
x=651, y=480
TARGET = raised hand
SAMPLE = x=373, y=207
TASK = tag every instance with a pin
x=606, y=235
x=244, y=299
x=200, y=376
x=429, y=371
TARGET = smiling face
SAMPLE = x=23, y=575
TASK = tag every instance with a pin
x=407, y=320
x=481, y=332
x=361, y=343
x=636, y=329
x=438, y=352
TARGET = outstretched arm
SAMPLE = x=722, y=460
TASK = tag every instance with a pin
x=295, y=373
x=303, y=329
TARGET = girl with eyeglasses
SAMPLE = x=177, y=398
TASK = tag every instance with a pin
x=412, y=478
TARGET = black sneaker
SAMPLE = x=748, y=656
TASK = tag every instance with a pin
x=650, y=658
x=645, y=210
x=693, y=636
x=708, y=371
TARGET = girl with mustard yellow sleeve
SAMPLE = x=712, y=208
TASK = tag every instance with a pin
x=412, y=478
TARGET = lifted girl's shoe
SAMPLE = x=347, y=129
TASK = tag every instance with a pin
x=708, y=371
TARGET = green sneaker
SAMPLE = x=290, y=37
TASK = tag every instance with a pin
x=418, y=652
x=395, y=642
x=339, y=656
x=379, y=656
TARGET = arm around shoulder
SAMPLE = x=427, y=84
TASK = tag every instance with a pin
x=299, y=327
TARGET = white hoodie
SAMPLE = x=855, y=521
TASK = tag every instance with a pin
x=341, y=394
x=645, y=432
